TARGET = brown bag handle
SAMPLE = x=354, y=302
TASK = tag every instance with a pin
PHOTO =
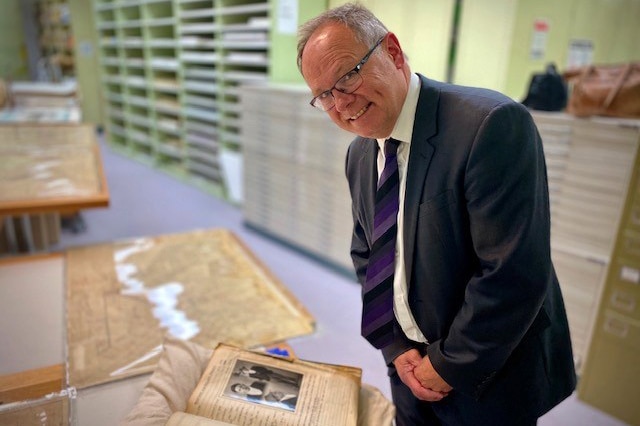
x=614, y=91
x=587, y=70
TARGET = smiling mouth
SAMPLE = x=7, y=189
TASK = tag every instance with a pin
x=359, y=113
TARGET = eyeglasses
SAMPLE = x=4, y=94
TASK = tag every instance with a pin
x=348, y=83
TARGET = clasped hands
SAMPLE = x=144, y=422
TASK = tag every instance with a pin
x=419, y=375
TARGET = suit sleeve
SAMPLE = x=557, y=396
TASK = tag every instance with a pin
x=359, y=245
x=507, y=201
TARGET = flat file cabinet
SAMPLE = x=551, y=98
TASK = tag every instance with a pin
x=611, y=375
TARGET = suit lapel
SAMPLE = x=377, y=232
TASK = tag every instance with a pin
x=424, y=128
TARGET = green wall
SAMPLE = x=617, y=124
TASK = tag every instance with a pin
x=494, y=38
x=613, y=26
x=427, y=48
x=501, y=58
x=423, y=29
x=13, y=54
x=484, y=41
x=283, y=53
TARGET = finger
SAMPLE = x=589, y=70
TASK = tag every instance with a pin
x=428, y=394
x=434, y=385
x=410, y=380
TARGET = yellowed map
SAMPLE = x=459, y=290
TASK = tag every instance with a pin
x=48, y=161
x=203, y=286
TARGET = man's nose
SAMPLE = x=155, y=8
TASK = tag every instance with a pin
x=342, y=100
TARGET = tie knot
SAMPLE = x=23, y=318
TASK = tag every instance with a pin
x=391, y=146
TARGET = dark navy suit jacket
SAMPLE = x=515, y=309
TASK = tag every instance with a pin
x=482, y=287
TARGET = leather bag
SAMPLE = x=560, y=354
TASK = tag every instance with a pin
x=611, y=90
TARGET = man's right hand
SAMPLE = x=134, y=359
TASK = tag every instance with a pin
x=405, y=365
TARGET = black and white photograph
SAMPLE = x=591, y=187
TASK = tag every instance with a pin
x=264, y=385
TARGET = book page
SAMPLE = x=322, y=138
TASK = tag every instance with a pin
x=252, y=389
x=179, y=418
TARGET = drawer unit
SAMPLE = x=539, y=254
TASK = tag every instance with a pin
x=611, y=375
x=613, y=369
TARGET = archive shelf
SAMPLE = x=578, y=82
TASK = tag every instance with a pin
x=56, y=37
x=171, y=72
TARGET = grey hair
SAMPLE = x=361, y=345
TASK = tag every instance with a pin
x=366, y=28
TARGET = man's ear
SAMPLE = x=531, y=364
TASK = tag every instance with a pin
x=394, y=50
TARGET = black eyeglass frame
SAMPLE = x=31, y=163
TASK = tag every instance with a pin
x=314, y=102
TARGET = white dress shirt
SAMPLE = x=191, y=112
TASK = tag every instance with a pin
x=403, y=131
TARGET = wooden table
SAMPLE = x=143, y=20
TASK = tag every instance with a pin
x=48, y=168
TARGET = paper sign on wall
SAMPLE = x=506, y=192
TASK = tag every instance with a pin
x=580, y=53
x=539, y=39
x=287, y=16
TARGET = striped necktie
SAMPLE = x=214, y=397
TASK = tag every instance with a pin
x=377, y=306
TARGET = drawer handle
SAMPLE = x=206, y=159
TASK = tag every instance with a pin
x=623, y=301
x=635, y=216
x=616, y=327
x=632, y=243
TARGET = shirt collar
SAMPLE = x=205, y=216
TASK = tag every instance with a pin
x=403, y=130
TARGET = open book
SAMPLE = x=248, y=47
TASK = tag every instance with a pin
x=245, y=388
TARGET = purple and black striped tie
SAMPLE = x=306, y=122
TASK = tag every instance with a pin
x=377, y=306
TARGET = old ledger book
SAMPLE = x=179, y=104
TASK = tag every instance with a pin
x=244, y=388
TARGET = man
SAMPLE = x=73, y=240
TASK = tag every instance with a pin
x=253, y=392
x=285, y=400
x=257, y=392
x=262, y=373
x=474, y=329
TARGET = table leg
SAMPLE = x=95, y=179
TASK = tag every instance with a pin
x=10, y=231
x=27, y=232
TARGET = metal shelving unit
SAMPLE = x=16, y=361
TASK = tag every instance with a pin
x=171, y=71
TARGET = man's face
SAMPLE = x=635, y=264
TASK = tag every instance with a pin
x=372, y=110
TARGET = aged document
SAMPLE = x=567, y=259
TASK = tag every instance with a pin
x=179, y=418
x=247, y=388
x=203, y=286
x=49, y=161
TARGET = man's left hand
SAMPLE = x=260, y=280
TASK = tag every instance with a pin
x=429, y=377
